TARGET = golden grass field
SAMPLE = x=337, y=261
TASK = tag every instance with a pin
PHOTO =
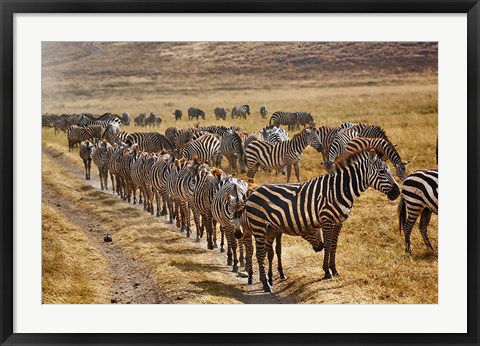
x=400, y=95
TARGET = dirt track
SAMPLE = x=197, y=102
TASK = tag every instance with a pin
x=133, y=282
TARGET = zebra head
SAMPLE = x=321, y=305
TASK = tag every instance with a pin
x=313, y=140
x=379, y=176
x=401, y=170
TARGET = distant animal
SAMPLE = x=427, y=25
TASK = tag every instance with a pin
x=240, y=111
x=126, y=118
x=141, y=120
x=285, y=118
x=419, y=198
x=263, y=111
x=220, y=113
x=178, y=114
x=153, y=120
x=195, y=113
x=86, y=155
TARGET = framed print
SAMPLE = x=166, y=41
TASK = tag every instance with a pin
x=166, y=165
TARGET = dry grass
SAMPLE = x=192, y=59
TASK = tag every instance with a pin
x=371, y=259
x=73, y=271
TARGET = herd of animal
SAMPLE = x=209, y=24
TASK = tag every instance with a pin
x=180, y=172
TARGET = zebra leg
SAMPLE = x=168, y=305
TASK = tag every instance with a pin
x=296, y=165
x=234, y=244
x=424, y=221
x=198, y=226
x=260, y=245
x=186, y=218
x=209, y=228
x=89, y=165
x=278, y=250
x=327, y=237
x=289, y=172
x=100, y=174
x=170, y=208
x=241, y=259
x=157, y=200
x=270, y=255
x=333, y=249
x=229, y=247
x=407, y=228
x=222, y=240
x=247, y=240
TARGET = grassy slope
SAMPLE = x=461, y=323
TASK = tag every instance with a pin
x=398, y=92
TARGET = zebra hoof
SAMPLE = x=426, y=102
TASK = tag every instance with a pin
x=197, y=240
x=229, y=262
x=242, y=263
x=250, y=281
x=267, y=288
x=210, y=247
x=283, y=277
x=215, y=245
x=222, y=250
x=327, y=276
x=235, y=269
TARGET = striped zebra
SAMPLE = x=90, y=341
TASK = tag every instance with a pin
x=419, y=198
x=240, y=111
x=220, y=113
x=204, y=188
x=303, y=209
x=305, y=119
x=158, y=176
x=231, y=192
x=86, y=155
x=100, y=157
x=263, y=111
x=279, y=155
x=325, y=135
x=205, y=148
x=385, y=146
x=116, y=154
x=140, y=174
x=152, y=142
x=126, y=164
x=273, y=134
x=114, y=137
x=338, y=146
x=77, y=134
x=171, y=133
x=195, y=113
x=285, y=118
x=153, y=120
x=232, y=148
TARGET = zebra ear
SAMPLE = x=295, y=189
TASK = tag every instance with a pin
x=406, y=163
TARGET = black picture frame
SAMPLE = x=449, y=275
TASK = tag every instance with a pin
x=9, y=7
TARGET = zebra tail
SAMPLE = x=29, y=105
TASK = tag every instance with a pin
x=402, y=214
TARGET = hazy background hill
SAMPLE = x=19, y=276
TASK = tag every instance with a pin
x=127, y=69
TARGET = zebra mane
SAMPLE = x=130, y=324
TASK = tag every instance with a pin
x=216, y=171
x=347, y=158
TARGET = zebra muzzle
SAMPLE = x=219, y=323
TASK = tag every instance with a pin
x=393, y=193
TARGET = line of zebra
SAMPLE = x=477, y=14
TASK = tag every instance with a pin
x=191, y=184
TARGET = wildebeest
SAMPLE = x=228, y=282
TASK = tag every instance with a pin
x=220, y=113
x=178, y=114
x=195, y=113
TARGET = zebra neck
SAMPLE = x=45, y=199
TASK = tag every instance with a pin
x=349, y=183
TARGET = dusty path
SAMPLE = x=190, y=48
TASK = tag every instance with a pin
x=132, y=280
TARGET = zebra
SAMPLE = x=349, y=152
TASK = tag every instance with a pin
x=218, y=130
x=158, y=176
x=281, y=154
x=77, y=134
x=203, y=189
x=326, y=134
x=302, y=209
x=195, y=113
x=274, y=134
x=305, y=119
x=205, y=148
x=86, y=155
x=141, y=120
x=386, y=146
x=100, y=157
x=220, y=113
x=232, y=148
x=171, y=133
x=116, y=153
x=114, y=137
x=126, y=118
x=285, y=118
x=419, y=198
x=139, y=174
x=153, y=120
x=149, y=141
x=240, y=111
x=231, y=192
x=126, y=163
x=263, y=111
x=178, y=114
x=338, y=145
